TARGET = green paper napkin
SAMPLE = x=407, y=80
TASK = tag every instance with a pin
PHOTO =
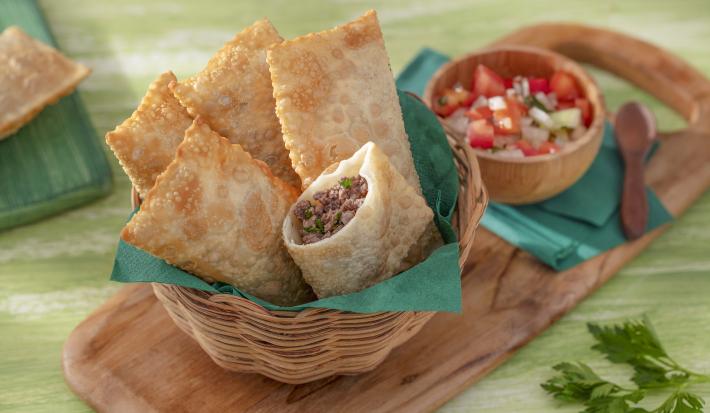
x=571, y=227
x=55, y=162
x=432, y=285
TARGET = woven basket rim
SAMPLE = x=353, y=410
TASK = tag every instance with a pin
x=470, y=206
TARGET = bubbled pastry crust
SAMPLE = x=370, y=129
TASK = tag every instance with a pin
x=233, y=94
x=145, y=143
x=334, y=92
x=217, y=213
x=32, y=75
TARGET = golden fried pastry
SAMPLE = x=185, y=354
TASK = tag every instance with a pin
x=217, y=213
x=233, y=94
x=32, y=75
x=334, y=92
x=146, y=142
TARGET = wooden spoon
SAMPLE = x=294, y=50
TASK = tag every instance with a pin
x=635, y=128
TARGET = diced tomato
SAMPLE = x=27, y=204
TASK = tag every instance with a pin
x=586, y=108
x=508, y=82
x=480, y=134
x=487, y=82
x=517, y=107
x=565, y=86
x=538, y=84
x=468, y=99
x=548, y=147
x=481, y=142
x=526, y=147
x=442, y=108
x=481, y=112
x=507, y=121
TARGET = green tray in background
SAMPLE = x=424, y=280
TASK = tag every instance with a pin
x=55, y=162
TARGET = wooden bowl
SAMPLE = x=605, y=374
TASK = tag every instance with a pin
x=298, y=347
x=529, y=179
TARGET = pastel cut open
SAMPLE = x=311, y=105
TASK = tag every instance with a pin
x=373, y=245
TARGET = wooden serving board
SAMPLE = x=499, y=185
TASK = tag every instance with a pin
x=129, y=356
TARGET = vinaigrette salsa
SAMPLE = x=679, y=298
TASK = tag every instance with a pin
x=517, y=117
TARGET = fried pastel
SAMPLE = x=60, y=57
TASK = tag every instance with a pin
x=218, y=213
x=32, y=75
x=335, y=92
x=233, y=94
x=145, y=143
x=374, y=244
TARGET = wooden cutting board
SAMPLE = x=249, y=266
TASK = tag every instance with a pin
x=129, y=356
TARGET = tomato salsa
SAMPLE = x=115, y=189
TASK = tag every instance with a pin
x=517, y=117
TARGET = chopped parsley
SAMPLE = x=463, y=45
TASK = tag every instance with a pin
x=531, y=100
x=317, y=228
x=308, y=213
x=443, y=101
x=337, y=217
x=346, y=183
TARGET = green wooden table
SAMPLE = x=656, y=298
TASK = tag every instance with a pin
x=52, y=274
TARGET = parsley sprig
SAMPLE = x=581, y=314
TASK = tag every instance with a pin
x=579, y=383
x=635, y=343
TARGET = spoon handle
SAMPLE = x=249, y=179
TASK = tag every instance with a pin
x=634, y=205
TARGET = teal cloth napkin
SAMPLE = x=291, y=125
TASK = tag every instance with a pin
x=574, y=226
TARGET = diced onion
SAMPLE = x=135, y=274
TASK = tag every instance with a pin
x=497, y=103
x=506, y=123
x=458, y=121
x=526, y=87
x=481, y=101
x=536, y=136
x=511, y=153
x=542, y=98
x=542, y=118
x=552, y=98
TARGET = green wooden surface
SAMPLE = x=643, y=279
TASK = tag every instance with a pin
x=56, y=161
x=52, y=274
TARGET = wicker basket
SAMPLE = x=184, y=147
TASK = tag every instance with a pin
x=298, y=347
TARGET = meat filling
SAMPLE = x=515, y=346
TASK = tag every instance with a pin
x=331, y=209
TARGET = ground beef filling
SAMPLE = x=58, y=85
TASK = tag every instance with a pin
x=331, y=209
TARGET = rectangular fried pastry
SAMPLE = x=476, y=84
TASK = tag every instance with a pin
x=146, y=142
x=217, y=212
x=32, y=76
x=233, y=94
x=335, y=92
